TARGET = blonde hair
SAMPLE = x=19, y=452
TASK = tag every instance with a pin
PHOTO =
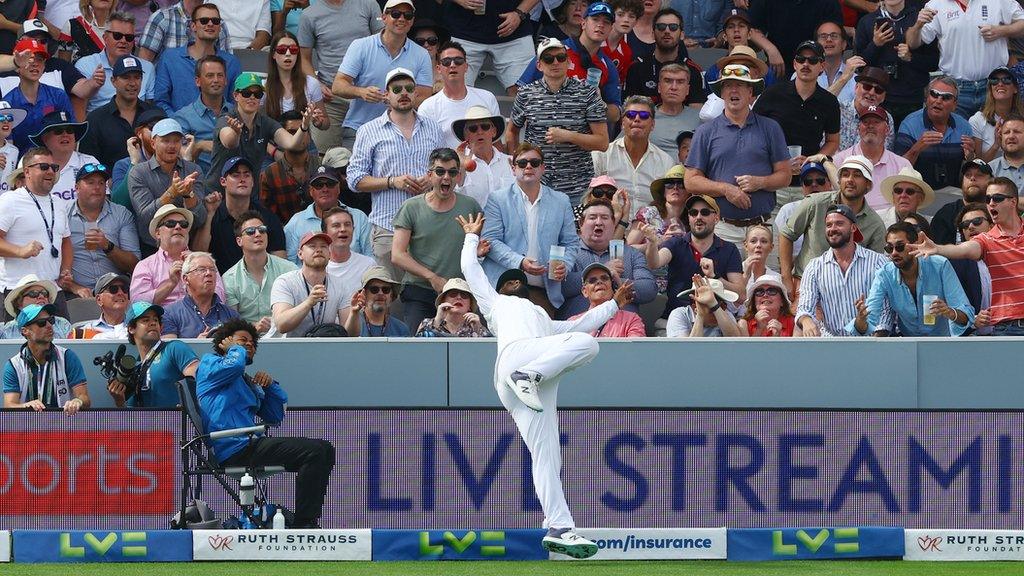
x=767, y=230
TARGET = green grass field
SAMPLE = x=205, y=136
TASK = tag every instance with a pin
x=689, y=568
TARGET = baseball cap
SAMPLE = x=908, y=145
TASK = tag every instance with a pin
x=547, y=44
x=324, y=173
x=34, y=25
x=600, y=9
x=602, y=180
x=247, y=79
x=809, y=167
x=313, y=235
x=168, y=126
x=393, y=3
x=736, y=13
x=103, y=281
x=876, y=111
x=337, y=157
x=32, y=45
x=702, y=197
x=683, y=136
x=235, y=161
x=126, y=65
x=508, y=276
x=138, y=309
x=819, y=51
x=92, y=168
x=976, y=163
x=847, y=212
x=397, y=72
x=149, y=116
x=29, y=313
x=596, y=266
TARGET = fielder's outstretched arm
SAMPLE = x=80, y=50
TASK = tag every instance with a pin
x=471, y=268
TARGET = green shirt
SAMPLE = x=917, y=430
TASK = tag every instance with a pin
x=243, y=293
x=809, y=221
x=435, y=239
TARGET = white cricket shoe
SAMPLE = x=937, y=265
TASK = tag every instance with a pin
x=571, y=544
x=525, y=384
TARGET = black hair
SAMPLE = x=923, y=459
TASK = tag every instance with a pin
x=245, y=217
x=903, y=226
x=229, y=328
x=451, y=45
x=331, y=212
x=443, y=155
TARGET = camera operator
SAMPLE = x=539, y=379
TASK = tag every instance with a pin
x=229, y=398
x=42, y=375
x=881, y=40
x=161, y=363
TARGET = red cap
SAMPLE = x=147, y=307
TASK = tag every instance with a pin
x=32, y=45
x=310, y=236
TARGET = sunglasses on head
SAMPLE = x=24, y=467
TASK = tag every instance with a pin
x=440, y=172
x=252, y=230
x=480, y=127
x=904, y=191
x=869, y=87
x=598, y=278
x=92, y=168
x=118, y=36
x=397, y=14
x=532, y=162
x=997, y=198
x=450, y=60
x=204, y=20
x=814, y=181
x=897, y=247
x=662, y=26
x=251, y=93
x=171, y=224
x=287, y=49
x=603, y=192
x=700, y=212
x=1001, y=80
x=808, y=59
x=45, y=166
x=427, y=40
x=116, y=289
x=35, y=293
x=735, y=71
x=550, y=58
x=43, y=321
x=973, y=222
x=769, y=291
x=944, y=96
x=641, y=114
x=381, y=289
x=397, y=88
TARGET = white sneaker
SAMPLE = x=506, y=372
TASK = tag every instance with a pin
x=570, y=544
x=525, y=387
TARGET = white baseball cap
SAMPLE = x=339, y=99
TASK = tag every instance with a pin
x=548, y=44
x=396, y=72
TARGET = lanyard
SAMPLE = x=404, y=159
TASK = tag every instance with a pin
x=320, y=308
x=962, y=5
x=144, y=370
x=369, y=327
x=200, y=314
x=48, y=225
x=42, y=383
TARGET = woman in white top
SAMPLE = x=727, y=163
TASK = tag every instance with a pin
x=287, y=88
x=1000, y=101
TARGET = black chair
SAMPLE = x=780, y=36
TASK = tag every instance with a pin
x=198, y=458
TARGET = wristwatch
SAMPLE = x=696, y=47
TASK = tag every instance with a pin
x=523, y=16
x=715, y=308
x=109, y=248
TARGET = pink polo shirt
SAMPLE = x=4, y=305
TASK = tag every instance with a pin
x=151, y=271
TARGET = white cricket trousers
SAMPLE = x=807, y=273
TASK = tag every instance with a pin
x=550, y=356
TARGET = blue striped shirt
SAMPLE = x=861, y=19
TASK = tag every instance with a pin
x=381, y=150
x=824, y=283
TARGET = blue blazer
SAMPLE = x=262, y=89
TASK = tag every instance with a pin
x=506, y=228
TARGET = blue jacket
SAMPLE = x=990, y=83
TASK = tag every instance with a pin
x=506, y=228
x=227, y=400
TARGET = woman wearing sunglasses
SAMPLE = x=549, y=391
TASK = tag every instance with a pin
x=431, y=36
x=1001, y=100
x=769, y=311
x=457, y=314
x=288, y=88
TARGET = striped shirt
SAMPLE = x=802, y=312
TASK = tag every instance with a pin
x=381, y=150
x=1004, y=256
x=824, y=283
x=169, y=28
x=568, y=168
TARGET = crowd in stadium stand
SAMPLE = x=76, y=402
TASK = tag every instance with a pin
x=780, y=192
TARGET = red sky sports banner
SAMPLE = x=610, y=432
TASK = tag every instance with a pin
x=964, y=545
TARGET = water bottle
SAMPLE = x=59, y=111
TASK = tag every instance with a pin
x=279, y=520
x=246, y=489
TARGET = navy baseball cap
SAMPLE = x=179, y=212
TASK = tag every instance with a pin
x=509, y=275
x=600, y=9
x=127, y=64
x=813, y=167
x=230, y=165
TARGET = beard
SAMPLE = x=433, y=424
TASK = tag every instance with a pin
x=843, y=240
x=378, y=308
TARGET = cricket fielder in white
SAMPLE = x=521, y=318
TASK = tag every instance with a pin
x=533, y=353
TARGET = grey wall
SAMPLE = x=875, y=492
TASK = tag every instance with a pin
x=974, y=373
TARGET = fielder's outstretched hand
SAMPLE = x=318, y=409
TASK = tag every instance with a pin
x=625, y=294
x=472, y=225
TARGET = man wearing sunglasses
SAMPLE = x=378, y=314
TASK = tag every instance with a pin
x=248, y=283
x=170, y=28
x=870, y=89
x=480, y=129
x=31, y=290
x=1002, y=251
x=631, y=158
x=60, y=135
x=456, y=98
x=370, y=312
x=936, y=139
x=175, y=86
x=325, y=185
x=30, y=94
x=42, y=375
x=668, y=48
x=364, y=73
x=111, y=293
x=904, y=285
x=104, y=234
x=119, y=41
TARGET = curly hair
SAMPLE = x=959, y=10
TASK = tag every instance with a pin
x=229, y=328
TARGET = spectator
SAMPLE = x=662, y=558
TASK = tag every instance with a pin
x=103, y=234
x=248, y=23
x=838, y=281
x=665, y=214
x=597, y=228
x=481, y=128
x=338, y=158
x=247, y=131
x=518, y=243
x=627, y=12
x=200, y=116
x=430, y=35
x=738, y=36
x=288, y=87
x=975, y=278
x=935, y=139
x=757, y=246
x=9, y=120
x=1000, y=251
x=35, y=98
x=632, y=159
x=564, y=118
x=110, y=125
x=605, y=188
x=882, y=41
x=32, y=290
x=26, y=247
x=769, y=311
x=1001, y=102
x=304, y=299
x=673, y=116
x=931, y=276
x=457, y=314
x=345, y=265
x=166, y=179
x=1011, y=163
x=970, y=44
x=809, y=222
x=564, y=21
x=698, y=252
x=327, y=29
x=284, y=184
x=140, y=148
x=873, y=131
x=870, y=89
x=974, y=178
x=501, y=28
x=455, y=98
x=174, y=87
x=789, y=23
x=247, y=284
x=836, y=73
x=119, y=41
x=157, y=278
x=325, y=189
x=370, y=314
x=164, y=364
x=907, y=193
x=286, y=15
x=814, y=177
x=202, y=309
x=66, y=386
x=111, y=293
x=60, y=134
x=683, y=142
x=370, y=62
x=390, y=157
x=745, y=184
x=669, y=49
x=171, y=27
x=428, y=240
x=598, y=286
x=708, y=314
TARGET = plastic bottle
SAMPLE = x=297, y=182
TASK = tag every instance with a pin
x=246, y=490
x=279, y=520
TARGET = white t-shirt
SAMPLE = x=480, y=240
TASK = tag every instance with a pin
x=982, y=130
x=20, y=220
x=10, y=152
x=58, y=12
x=291, y=289
x=349, y=274
x=444, y=110
x=313, y=95
x=963, y=53
x=243, y=19
x=64, y=190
